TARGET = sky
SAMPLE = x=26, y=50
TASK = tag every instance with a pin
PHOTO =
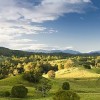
x=50, y=24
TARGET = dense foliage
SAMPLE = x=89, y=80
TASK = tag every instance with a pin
x=66, y=95
x=32, y=76
x=19, y=91
x=44, y=87
x=4, y=94
x=66, y=86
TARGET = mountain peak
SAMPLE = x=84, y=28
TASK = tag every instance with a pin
x=56, y=51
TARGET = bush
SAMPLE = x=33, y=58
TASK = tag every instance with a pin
x=87, y=66
x=51, y=74
x=5, y=94
x=32, y=76
x=60, y=66
x=66, y=95
x=96, y=70
x=66, y=86
x=69, y=64
x=44, y=87
x=19, y=91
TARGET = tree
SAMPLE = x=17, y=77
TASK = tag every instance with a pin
x=66, y=95
x=87, y=65
x=32, y=76
x=29, y=67
x=60, y=66
x=46, y=67
x=19, y=91
x=20, y=68
x=51, y=74
x=66, y=86
x=69, y=63
x=44, y=87
x=15, y=72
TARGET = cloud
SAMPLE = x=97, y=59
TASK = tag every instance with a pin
x=43, y=47
x=52, y=9
x=25, y=17
x=19, y=28
x=46, y=10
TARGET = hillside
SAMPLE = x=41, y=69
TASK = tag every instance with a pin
x=8, y=52
x=14, y=80
x=75, y=73
x=88, y=89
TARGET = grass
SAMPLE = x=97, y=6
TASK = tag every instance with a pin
x=13, y=80
x=75, y=73
x=87, y=87
x=90, y=96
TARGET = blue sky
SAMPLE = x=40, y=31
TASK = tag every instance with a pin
x=50, y=24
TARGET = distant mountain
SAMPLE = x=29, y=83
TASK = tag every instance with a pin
x=71, y=51
x=94, y=52
x=8, y=52
x=56, y=51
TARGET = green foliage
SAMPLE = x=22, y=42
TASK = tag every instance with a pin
x=66, y=86
x=51, y=74
x=66, y=95
x=2, y=76
x=96, y=70
x=19, y=91
x=44, y=87
x=32, y=76
x=46, y=67
x=5, y=94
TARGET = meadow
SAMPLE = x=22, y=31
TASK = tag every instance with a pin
x=87, y=88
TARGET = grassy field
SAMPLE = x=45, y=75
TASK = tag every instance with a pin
x=87, y=87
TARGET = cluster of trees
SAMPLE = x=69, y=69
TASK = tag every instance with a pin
x=80, y=61
x=18, y=65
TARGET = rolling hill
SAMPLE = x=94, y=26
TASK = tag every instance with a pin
x=75, y=72
x=8, y=52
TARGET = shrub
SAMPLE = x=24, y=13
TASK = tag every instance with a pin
x=69, y=64
x=51, y=74
x=66, y=86
x=66, y=95
x=60, y=66
x=44, y=87
x=32, y=76
x=19, y=91
x=5, y=94
x=96, y=70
